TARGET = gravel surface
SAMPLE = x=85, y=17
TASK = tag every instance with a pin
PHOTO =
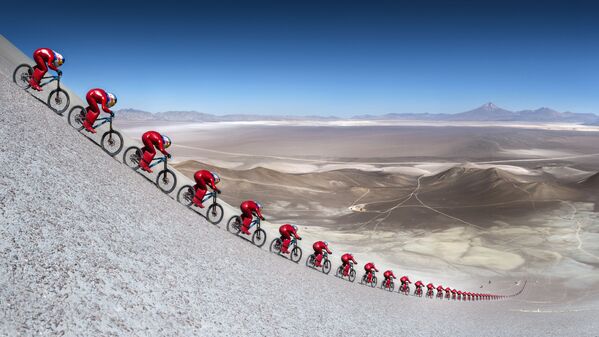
x=88, y=247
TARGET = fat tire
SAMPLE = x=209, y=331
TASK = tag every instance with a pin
x=105, y=140
x=259, y=234
x=17, y=76
x=76, y=116
x=166, y=174
x=231, y=224
x=57, y=93
x=182, y=197
x=218, y=217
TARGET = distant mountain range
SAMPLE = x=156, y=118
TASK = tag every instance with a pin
x=488, y=112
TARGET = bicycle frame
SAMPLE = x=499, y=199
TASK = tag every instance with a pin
x=254, y=223
x=53, y=78
x=157, y=161
x=103, y=121
x=210, y=195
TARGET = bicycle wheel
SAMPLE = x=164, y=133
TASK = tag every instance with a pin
x=166, y=181
x=234, y=224
x=185, y=195
x=374, y=282
x=215, y=213
x=58, y=100
x=259, y=237
x=76, y=117
x=275, y=246
x=339, y=271
x=326, y=266
x=310, y=261
x=352, y=275
x=364, y=279
x=112, y=142
x=391, y=286
x=22, y=75
x=296, y=254
x=132, y=157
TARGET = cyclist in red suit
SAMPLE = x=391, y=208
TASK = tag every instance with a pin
x=418, y=286
x=440, y=291
x=430, y=290
x=287, y=231
x=95, y=97
x=319, y=247
x=447, y=292
x=44, y=58
x=370, y=268
x=248, y=209
x=453, y=294
x=203, y=179
x=153, y=140
x=345, y=260
x=388, y=275
x=405, y=280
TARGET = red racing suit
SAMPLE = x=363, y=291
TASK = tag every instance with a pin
x=388, y=274
x=430, y=289
x=203, y=179
x=447, y=292
x=345, y=260
x=369, y=267
x=440, y=291
x=44, y=58
x=319, y=247
x=95, y=97
x=248, y=209
x=152, y=140
x=286, y=232
x=419, y=286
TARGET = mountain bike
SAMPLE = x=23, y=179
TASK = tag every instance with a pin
x=214, y=212
x=388, y=285
x=404, y=289
x=259, y=235
x=166, y=179
x=351, y=274
x=111, y=141
x=440, y=294
x=58, y=99
x=325, y=262
x=296, y=253
x=430, y=293
x=373, y=280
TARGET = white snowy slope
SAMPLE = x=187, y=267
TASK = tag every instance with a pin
x=89, y=247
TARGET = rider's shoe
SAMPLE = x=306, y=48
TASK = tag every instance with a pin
x=144, y=166
x=198, y=203
x=245, y=231
x=34, y=85
x=88, y=127
x=145, y=161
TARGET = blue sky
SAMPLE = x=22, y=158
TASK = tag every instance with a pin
x=323, y=58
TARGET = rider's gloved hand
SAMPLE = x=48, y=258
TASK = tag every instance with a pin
x=59, y=73
x=262, y=218
x=168, y=155
x=299, y=238
x=218, y=191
